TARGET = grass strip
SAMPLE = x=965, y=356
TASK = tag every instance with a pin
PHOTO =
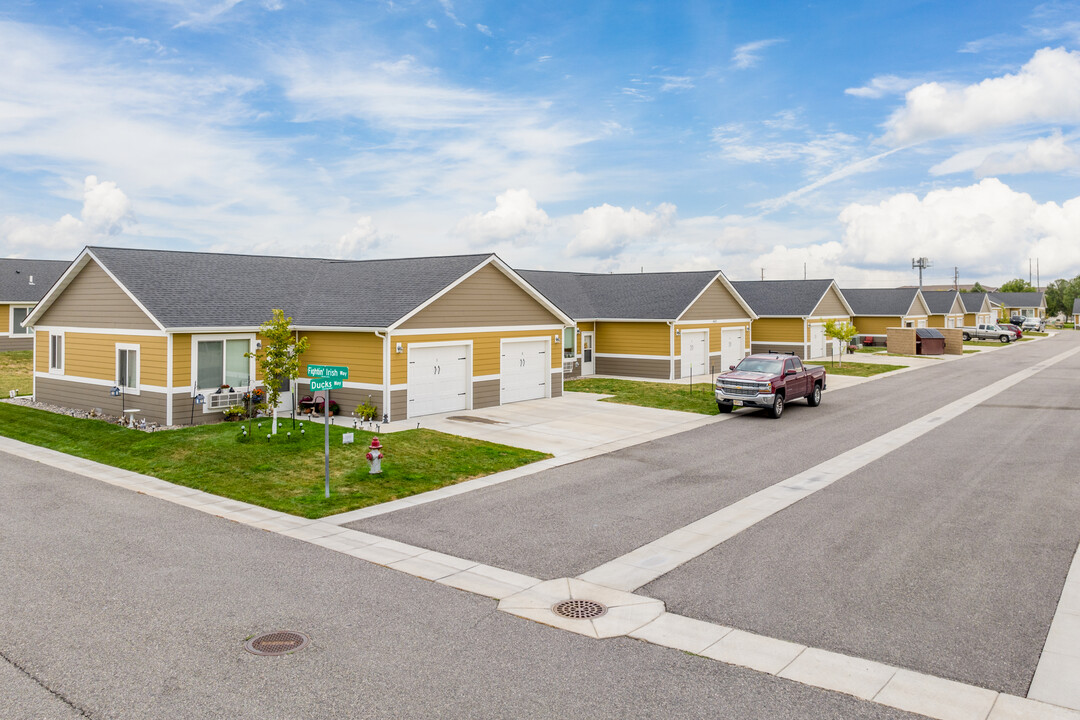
x=696, y=398
x=17, y=372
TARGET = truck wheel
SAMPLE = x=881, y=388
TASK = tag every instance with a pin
x=814, y=398
x=777, y=408
x=966, y=337
x=1004, y=338
x=725, y=407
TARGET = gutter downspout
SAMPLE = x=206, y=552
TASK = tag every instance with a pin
x=169, y=379
x=385, y=371
x=671, y=346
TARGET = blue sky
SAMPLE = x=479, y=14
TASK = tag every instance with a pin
x=610, y=136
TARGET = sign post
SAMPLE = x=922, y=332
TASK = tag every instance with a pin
x=326, y=378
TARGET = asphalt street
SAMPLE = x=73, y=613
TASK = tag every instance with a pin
x=118, y=605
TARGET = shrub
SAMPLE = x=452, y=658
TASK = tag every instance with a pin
x=367, y=411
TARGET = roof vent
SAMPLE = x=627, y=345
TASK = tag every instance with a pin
x=31, y=279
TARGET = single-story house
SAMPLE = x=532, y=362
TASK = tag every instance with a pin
x=977, y=309
x=946, y=308
x=1076, y=313
x=792, y=315
x=419, y=335
x=1025, y=304
x=653, y=325
x=874, y=310
x=22, y=284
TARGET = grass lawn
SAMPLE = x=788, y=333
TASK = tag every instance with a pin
x=973, y=350
x=869, y=349
x=984, y=343
x=280, y=474
x=17, y=371
x=1035, y=333
x=857, y=369
x=667, y=396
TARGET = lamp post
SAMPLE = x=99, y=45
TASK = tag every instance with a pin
x=197, y=400
x=119, y=392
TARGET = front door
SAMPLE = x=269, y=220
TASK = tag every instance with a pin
x=588, y=363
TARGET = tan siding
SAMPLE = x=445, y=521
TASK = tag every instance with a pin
x=350, y=398
x=633, y=338
x=957, y=306
x=361, y=352
x=486, y=299
x=92, y=299
x=634, y=367
x=799, y=350
x=717, y=303
x=917, y=308
x=778, y=330
x=181, y=360
x=556, y=384
x=19, y=342
x=81, y=396
x=873, y=325
x=90, y=355
x=486, y=350
x=5, y=318
x=485, y=394
x=830, y=306
x=399, y=403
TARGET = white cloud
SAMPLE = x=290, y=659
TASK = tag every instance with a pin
x=448, y=10
x=605, y=230
x=516, y=216
x=1048, y=154
x=676, y=82
x=1045, y=90
x=748, y=54
x=360, y=240
x=883, y=85
x=484, y=30
x=431, y=24
x=106, y=211
x=820, y=151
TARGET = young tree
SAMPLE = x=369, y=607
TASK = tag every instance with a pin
x=842, y=331
x=280, y=356
x=1016, y=285
x=977, y=287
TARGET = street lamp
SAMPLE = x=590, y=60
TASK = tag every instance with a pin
x=119, y=392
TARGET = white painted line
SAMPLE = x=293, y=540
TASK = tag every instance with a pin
x=653, y=560
x=1057, y=676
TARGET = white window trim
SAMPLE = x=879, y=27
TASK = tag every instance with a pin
x=63, y=353
x=196, y=339
x=12, y=325
x=138, y=367
x=573, y=344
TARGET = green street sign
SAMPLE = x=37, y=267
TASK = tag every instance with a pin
x=330, y=372
x=317, y=385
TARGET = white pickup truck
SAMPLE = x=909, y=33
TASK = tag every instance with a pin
x=988, y=332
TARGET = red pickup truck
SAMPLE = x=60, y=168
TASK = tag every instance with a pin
x=769, y=380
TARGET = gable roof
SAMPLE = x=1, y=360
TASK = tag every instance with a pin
x=1018, y=299
x=626, y=296
x=15, y=277
x=881, y=301
x=210, y=290
x=784, y=298
x=1076, y=306
x=940, y=302
x=972, y=302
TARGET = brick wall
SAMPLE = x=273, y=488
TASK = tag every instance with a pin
x=901, y=340
x=954, y=340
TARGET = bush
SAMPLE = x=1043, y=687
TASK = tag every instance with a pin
x=236, y=412
x=367, y=411
x=335, y=409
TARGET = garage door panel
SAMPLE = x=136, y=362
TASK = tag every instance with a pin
x=695, y=353
x=524, y=371
x=732, y=346
x=438, y=379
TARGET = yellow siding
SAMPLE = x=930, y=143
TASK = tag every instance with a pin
x=634, y=338
x=5, y=318
x=361, y=352
x=181, y=360
x=778, y=330
x=715, y=342
x=41, y=352
x=969, y=319
x=875, y=325
x=94, y=356
x=486, y=351
x=936, y=321
x=584, y=327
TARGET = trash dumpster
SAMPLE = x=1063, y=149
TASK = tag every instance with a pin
x=929, y=341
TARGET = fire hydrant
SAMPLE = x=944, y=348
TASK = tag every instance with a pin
x=374, y=457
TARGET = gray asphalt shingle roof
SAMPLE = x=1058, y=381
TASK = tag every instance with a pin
x=1018, y=299
x=972, y=301
x=1076, y=306
x=880, y=301
x=792, y=298
x=15, y=277
x=940, y=302
x=191, y=289
x=623, y=296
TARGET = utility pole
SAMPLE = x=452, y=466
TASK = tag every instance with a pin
x=1038, y=281
x=956, y=278
x=921, y=263
x=804, y=271
x=1029, y=271
x=763, y=274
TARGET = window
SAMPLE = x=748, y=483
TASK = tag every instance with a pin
x=127, y=367
x=18, y=314
x=56, y=352
x=222, y=362
x=569, y=347
x=796, y=363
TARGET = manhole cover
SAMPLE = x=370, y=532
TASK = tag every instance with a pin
x=579, y=609
x=281, y=642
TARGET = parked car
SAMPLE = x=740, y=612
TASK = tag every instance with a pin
x=1015, y=320
x=769, y=380
x=1015, y=328
x=1033, y=324
x=988, y=332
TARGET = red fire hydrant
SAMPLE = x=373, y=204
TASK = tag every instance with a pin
x=374, y=457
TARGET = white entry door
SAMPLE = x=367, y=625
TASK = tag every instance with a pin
x=588, y=362
x=732, y=347
x=524, y=371
x=817, y=341
x=695, y=353
x=438, y=379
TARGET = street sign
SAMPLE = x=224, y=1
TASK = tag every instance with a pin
x=317, y=385
x=328, y=372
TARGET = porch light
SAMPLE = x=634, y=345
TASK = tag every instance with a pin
x=678, y=332
x=115, y=392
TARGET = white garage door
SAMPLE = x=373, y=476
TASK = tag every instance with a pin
x=695, y=353
x=438, y=379
x=817, y=341
x=732, y=347
x=524, y=371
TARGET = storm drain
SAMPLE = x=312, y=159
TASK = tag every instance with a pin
x=579, y=609
x=281, y=642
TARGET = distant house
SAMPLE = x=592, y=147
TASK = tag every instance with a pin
x=652, y=325
x=946, y=308
x=22, y=284
x=792, y=315
x=419, y=335
x=977, y=309
x=1025, y=304
x=877, y=309
x=1076, y=313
